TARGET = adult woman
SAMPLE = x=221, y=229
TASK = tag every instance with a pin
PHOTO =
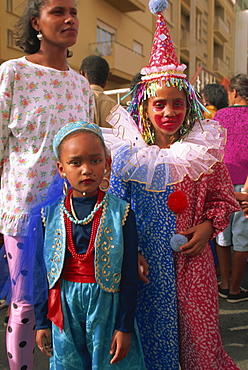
x=235, y=120
x=39, y=94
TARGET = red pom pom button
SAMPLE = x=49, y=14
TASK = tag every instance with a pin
x=177, y=201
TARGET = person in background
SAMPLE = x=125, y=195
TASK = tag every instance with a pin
x=96, y=70
x=235, y=119
x=214, y=98
x=39, y=93
x=242, y=198
x=168, y=165
x=93, y=275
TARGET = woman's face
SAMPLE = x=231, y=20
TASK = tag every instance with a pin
x=166, y=112
x=58, y=23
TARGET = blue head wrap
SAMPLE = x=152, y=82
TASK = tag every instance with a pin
x=72, y=127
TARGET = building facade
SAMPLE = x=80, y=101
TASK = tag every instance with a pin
x=122, y=32
x=241, y=38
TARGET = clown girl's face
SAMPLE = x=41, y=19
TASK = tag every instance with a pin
x=83, y=160
x=167, y=111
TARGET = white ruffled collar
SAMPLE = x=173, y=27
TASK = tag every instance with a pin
x=193, y=156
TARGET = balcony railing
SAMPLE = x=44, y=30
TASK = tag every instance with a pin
x=124, y=62
x=221, y=67
x=221, y=29
x=127, y=5
x=185, y=40
x=202, y=77
x=117, y=94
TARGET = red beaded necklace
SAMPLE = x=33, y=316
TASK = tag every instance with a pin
x=95, y=225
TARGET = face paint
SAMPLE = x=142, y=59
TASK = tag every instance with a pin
x=167, y=111
x=172, y=123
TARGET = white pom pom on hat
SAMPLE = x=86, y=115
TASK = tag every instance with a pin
x=157, y=6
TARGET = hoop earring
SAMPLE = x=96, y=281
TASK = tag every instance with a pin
x=65, y=185
x=39, y=36
x=102, y=188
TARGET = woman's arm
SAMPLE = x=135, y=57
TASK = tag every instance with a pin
x=7, y=78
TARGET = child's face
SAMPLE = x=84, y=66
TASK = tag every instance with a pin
x=167, y=111
x=83, y=160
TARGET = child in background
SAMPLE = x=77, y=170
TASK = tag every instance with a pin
x=169, y=167
x=91, y=259
x=214, y=98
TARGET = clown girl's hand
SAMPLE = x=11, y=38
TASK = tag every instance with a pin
x=201, y=234
x=120, y=346
x=143, y=269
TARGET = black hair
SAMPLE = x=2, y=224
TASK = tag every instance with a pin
x=25, y=35
x=215, y=94
x=240, y=84
x=136, y=79
x=96, y=68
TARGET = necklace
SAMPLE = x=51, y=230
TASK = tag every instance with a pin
x=72, y=214
x=95, y=225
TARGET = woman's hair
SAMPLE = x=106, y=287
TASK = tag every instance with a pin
x=215, y=94
x=74, y=133
x=25, y=35
x=240, y=84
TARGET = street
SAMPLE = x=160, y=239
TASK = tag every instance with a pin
x=233, y=325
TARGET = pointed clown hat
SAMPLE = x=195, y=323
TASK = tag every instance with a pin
x=164, y=69
x=163, y=58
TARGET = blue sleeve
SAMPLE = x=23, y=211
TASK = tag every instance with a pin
x=40, y=273
x=119, y=187
x=129, y=281
x=40, y=310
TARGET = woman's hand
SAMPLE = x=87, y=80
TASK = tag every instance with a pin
x=143, y=268
x=201, y=234
x=120, y=346
x=43, y=340
x=244, y=207
x=241, y=197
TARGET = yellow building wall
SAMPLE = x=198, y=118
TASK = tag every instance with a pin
x=213, y=51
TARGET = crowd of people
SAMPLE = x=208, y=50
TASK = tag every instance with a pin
x=107, y=262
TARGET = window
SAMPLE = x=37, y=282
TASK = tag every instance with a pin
x=105, y=37
x=9, y=5
x=168, y=12
x=229, y=26
x=137, y=47
x=10, y=38
x=198, y=25
x=228, y=62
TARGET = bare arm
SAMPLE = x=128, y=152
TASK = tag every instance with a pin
x=201, y=234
